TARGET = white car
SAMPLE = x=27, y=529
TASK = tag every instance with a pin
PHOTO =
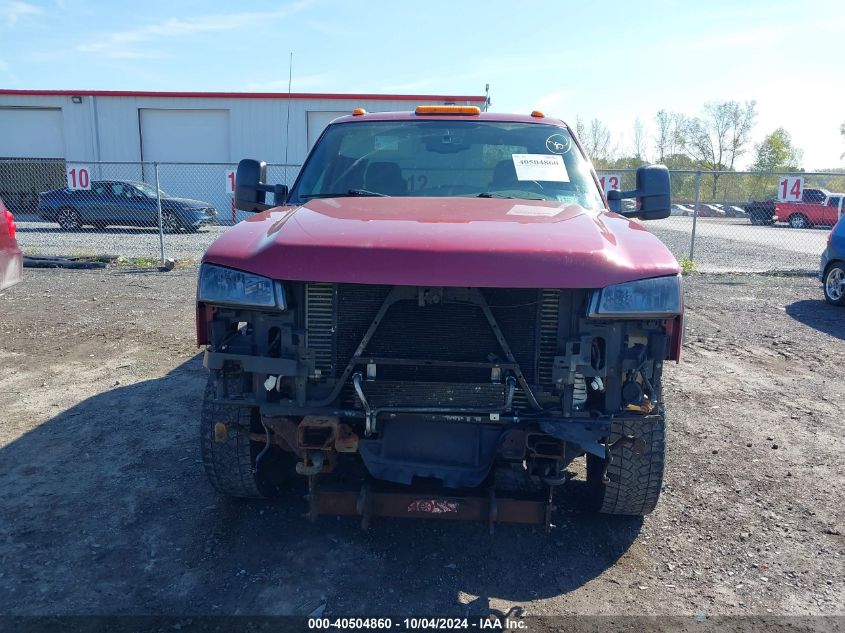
x=681, y=209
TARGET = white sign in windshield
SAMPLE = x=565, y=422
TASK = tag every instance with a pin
x=547, y=167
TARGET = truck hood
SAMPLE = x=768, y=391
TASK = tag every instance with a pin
x=472, y=242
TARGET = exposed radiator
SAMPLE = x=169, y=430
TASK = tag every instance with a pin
x=338, y=316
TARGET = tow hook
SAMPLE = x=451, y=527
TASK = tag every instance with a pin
x=317, y=459
x=637, y=448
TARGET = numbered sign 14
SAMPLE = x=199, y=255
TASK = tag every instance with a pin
x=230, y=181
x=78, y=176
x=609, y=182
x=790, y=189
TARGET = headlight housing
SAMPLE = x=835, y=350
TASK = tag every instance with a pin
x=228, y=286
x=654, y=298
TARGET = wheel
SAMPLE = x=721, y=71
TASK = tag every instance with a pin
x=635, y=480
x=228, y=454
x=68, y=218
x=170, y=222
x=799, y=221
x=834, y=284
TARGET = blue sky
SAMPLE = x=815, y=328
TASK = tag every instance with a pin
x=615, y=61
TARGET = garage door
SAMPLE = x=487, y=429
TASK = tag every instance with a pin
x=185, y=135
x=31, y=133
x=317, y=122
x=188, y=136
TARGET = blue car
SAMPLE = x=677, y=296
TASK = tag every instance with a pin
x=832, y=270
x=122, y=203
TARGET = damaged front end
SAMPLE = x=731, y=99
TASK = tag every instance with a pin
x=441, y=402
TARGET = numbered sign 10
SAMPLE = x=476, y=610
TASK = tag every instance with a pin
x=230, y=181
x=78, y=177
x=609, y=182
x=790, y=189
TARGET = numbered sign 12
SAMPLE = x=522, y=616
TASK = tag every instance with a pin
x=609, y=182
x=230, y=181
x=790, y=189
x=78, y=176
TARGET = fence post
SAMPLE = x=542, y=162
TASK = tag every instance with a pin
x=695, y=214
x=158, y=208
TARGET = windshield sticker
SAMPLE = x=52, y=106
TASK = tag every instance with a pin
x=558, y=144
x=540, y=167
x=387, y=143
x=525, y=209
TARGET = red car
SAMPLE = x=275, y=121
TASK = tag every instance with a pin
x=438, y=317
x=11, y=260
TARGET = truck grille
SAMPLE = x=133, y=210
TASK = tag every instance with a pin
x=319, y=321
x=338, y=316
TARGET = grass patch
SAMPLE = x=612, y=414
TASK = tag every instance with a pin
x=688, y=266
x=147, y=261
x=138, y=262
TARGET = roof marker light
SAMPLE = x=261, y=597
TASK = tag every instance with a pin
x=538, y=114
x=358, y=112
x=447, y=109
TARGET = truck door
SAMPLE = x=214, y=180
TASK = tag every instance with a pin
x=832, y=210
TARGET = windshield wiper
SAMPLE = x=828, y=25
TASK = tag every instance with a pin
x=492, y=194
x=363, y=193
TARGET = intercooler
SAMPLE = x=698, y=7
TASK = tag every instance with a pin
x=428, y=343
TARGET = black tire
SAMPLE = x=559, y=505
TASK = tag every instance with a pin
x=635, y=480
x=759, y=219
x=69, y=219
x=230, y=465
x=799, y=221
x=833, y=276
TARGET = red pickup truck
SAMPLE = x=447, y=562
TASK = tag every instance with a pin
x=435, y=320
x=801, y=215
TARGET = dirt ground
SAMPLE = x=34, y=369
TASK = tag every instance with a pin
x=105, y=508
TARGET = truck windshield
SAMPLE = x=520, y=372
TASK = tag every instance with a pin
x=445, y=159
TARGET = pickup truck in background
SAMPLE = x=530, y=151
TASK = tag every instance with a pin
x=803, y=215
x=765, y=212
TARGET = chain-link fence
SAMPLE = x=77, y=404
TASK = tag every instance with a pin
x=733, y=221
x=135, y=210
x=724, y=221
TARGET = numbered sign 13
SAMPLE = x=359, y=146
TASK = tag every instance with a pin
x=609, y=182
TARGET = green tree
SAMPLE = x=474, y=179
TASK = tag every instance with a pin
x=721, y=135
x=777, y=153
x=669, y=140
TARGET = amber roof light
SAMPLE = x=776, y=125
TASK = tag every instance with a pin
x=448, y=109
x=537, y=114
x=358, y=112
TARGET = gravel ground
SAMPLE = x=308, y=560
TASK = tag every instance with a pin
x=722, y=245
x=735, y=245
x=106, y=510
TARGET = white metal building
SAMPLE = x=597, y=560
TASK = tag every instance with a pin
x=178, y=126
x=193, y=127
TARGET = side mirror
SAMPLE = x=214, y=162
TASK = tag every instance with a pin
x=654, y=191
x=251, y=190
